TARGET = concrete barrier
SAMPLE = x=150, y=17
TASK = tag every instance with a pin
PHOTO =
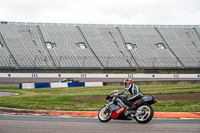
x=89, y=75
x=42, y=85
x=93, y=84
x=78, y=84
x=57, y=85
x=27, y=85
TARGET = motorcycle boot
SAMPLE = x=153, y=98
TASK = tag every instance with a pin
x=128, y=103
x=131, y=105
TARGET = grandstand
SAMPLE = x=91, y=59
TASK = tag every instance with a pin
x=92, y=46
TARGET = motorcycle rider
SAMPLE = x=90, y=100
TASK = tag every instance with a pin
x=134, y=91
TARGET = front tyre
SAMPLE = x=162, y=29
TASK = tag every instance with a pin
x=146, y=113
x=104, y=116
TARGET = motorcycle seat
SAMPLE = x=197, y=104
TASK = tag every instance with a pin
x=134, y=98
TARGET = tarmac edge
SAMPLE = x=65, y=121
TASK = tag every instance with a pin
x=177, y=115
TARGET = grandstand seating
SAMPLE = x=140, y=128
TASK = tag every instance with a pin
x=147, y=54
x=47, y=47
x=67, y=53
x=25, y=45
x=105, y=47
x=179, y=40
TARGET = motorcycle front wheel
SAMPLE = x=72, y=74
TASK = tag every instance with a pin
x=104, y=116
x=146, y=113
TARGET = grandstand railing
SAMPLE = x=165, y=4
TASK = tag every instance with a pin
x=83, y=63
x=98, y=25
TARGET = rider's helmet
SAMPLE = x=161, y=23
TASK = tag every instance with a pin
x=128, y=82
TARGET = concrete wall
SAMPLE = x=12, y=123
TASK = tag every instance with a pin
x=88, y=75
x=154, y=82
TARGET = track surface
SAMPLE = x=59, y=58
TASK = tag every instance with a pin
x=15, y=81
x=49, y=124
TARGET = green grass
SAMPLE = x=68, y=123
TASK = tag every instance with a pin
x=177, y=106
x=62, y=98
x=8, y=87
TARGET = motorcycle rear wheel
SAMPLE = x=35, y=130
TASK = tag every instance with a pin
x=147, y=114
x=104, y=116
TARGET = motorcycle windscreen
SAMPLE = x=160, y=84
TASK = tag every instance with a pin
x=117, y=113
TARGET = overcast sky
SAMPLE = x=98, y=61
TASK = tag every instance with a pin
x=181, y=12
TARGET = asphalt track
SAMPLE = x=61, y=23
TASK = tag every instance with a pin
x=11, y=81
x=51, y=124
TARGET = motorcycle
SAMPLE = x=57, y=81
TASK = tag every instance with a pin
x=116, y=109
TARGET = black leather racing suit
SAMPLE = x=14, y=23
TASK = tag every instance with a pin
x=135, y=94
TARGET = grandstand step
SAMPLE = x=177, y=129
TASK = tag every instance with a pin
x=87, y=44
x=177, y=58
x=122, y=38
x=12, y=60
x=42, y=40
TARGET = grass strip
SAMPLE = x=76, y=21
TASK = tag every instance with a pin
x=62, y=98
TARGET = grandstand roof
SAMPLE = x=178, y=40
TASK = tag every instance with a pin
x=98, y=25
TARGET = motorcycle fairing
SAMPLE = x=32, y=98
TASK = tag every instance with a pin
x=117, y=113
x=115, y=106
x=149, y=99
x=138, y=102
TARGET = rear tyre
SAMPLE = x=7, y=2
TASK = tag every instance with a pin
x=146, y=114
x=103, y=115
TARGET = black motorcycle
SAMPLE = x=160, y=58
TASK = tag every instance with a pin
x=116, y=109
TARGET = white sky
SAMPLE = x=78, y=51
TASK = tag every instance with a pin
x=181, y=12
